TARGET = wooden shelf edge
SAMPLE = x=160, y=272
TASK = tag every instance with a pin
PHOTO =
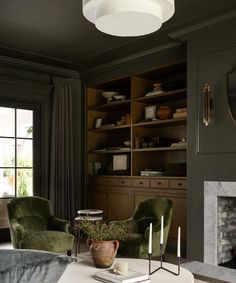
x=138, y=176
x=160, y=149
x=109, y=151
x=104, y=129
x=164, y=94
x=109, y=105
x=160, y=122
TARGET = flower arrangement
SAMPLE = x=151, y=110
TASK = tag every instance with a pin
x=102, y=231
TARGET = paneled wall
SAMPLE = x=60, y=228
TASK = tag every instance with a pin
x=211, y=149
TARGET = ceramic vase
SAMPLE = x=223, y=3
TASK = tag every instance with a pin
x=103, y=252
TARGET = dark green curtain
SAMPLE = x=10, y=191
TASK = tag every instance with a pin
x=61, y=156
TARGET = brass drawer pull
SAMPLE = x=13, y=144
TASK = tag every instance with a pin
x=179, y=184
x=159, y=183
x=122, y=182
x=140, y=183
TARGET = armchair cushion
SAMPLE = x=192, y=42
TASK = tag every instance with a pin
x=47, y=241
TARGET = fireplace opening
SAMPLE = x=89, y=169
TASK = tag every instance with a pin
x=226, y=240
x=231, y=263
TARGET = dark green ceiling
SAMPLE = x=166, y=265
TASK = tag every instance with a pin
x=57, y=30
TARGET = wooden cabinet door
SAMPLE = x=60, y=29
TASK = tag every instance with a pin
x=98, y=199
x=119, y=204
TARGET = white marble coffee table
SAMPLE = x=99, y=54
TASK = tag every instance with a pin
x=84, y=271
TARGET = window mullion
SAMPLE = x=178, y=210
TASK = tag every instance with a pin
x=15, y=152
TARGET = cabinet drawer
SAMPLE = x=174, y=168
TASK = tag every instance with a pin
x=122, y=182
x=160, y=183
x=115, y=182
x=178, y=184
x=144, y=183
x=106, y=181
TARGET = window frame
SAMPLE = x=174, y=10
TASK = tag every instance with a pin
x=36, y=141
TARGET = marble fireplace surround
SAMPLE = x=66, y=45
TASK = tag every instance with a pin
x=213, y=190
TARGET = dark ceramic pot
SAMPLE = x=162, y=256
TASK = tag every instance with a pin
x=164, y=112
x=103, y=252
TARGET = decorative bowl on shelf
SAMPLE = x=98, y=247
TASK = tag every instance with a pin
x=164, y=112
x=119, y=97
x=127, y=143
x=109, y=95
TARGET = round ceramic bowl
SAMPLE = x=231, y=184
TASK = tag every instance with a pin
x=109, y=95
x=119, y=97
x=127, y=143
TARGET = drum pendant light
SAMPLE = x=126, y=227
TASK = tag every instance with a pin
x=128, y=17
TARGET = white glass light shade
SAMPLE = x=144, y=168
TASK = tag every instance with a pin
x=128, y=17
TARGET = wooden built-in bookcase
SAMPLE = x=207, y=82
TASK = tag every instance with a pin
x=117, y=193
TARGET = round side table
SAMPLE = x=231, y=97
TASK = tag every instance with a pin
x=85, y=215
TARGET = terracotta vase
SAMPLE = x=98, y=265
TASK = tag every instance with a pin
x=164, y=112
x=103, y=252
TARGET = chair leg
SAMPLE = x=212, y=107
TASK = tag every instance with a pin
x=69, y=253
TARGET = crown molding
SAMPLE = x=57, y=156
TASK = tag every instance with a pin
x=126, y=60
x=214, y=23
x=37, y=67
x=23, y=83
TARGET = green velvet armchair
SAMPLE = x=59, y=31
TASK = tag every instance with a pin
x=146, y=212
x=33, y=226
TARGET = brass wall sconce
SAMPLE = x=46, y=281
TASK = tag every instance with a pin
x=207, y=104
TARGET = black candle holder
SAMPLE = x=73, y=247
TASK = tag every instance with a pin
x=161, y=266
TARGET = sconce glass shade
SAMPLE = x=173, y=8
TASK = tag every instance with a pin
x=128, y=17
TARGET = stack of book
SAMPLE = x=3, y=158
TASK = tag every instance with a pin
x=132, y=276
x=180, y=113
x=152, y=173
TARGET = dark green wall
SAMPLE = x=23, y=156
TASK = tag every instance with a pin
x=211, y=150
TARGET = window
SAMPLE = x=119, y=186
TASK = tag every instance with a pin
x=16, y=152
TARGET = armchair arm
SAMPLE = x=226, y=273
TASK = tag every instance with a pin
x=58, y=224
x=17, y=231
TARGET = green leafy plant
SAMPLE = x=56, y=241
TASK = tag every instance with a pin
x=23, y=178
x=102, y=231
